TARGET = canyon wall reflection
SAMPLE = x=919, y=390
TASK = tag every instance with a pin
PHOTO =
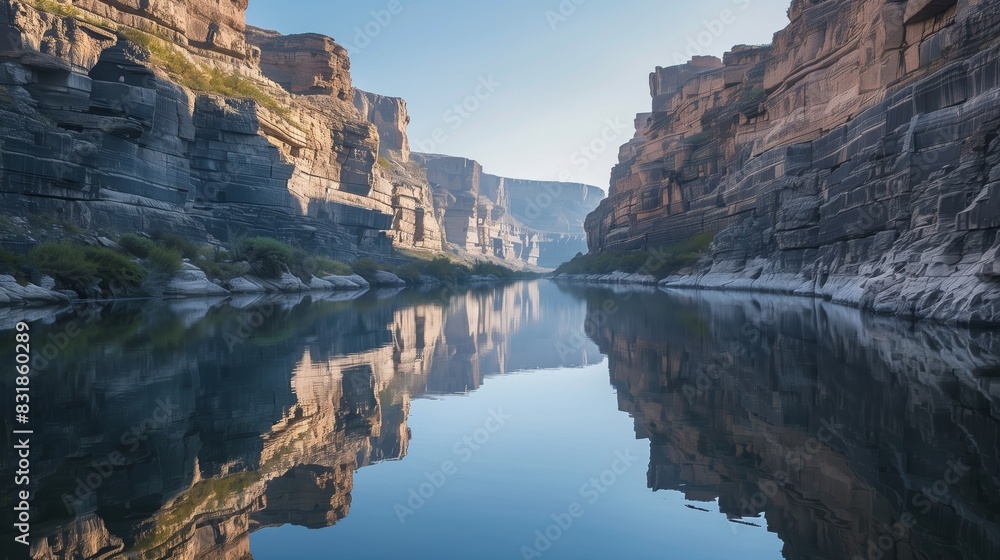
x=175, y=430
x=854, y=436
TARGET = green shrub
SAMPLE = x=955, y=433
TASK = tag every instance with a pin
x=79, y=268
x=268, y=258
x=659, y=262
x=9, y=263
x=409, y=272
x=366, y=268
x=189, y=249
x=484, y=268
x=202, y=78
x=164, y=260
x=445, y=269
x=135, y=245
x=323, y=266
x=219, y=269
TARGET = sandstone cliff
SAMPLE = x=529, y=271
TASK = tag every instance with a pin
x=174, y=115
x=536, y=222
x=121, y=117
x=856, y=158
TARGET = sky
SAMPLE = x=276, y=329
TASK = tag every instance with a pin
x=532, y=89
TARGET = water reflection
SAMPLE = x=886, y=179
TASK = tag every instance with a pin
x=175, y=430
x=852, y=436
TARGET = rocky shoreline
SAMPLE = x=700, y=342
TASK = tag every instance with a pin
x=851, y=291
x=191, y=281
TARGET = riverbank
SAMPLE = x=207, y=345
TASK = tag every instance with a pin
x=883, y=295
x=192, y=282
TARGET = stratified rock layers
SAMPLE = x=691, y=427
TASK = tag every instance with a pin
x=106, y=124
x=536, y=222
x=856, y=158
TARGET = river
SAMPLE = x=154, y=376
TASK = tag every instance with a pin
x=530, y=420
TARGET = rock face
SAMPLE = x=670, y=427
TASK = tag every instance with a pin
x=304, y=64
x=855, y=158
x=97, y=132
x=105, y=123
x=389, y=116
x=531, y=221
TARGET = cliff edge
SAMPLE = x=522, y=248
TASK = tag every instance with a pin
x=856, y=158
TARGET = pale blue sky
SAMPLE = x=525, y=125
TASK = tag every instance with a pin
x=552, y=76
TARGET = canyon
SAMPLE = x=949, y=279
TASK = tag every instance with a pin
x=856, y=158
x=125, y=116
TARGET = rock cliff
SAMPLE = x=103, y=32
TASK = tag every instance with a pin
x=389, y=116
x=536, y=222
x=121, y=116
x=855, y=158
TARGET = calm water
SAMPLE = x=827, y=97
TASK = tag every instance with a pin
x=524, y=421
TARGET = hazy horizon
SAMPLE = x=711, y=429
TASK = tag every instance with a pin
x=545, y=91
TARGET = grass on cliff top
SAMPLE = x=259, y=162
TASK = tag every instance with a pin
x=201, y=78
x=658, y=262
x=68, y=10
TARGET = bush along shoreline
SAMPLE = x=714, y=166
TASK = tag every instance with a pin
x=648, y=266
x=167, y=265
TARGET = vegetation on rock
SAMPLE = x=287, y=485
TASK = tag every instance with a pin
x=659, y=262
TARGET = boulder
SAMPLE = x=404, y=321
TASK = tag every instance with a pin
x=192, y=281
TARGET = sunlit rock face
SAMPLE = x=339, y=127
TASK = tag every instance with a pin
x=389, y=116
x=95, y=132
x=535, y=222
x=812, y=419
x=214, y=420
x=854, y=158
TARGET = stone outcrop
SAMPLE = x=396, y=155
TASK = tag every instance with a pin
x=855, y=158
x=122, y=116
x=107, y=134
x=535, y=222
x=389, y=116
x=304, y=64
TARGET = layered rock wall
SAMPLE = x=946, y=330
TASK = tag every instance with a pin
x=106, y=133
x=536, y=222
x=389, y=116
x=853, y=158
